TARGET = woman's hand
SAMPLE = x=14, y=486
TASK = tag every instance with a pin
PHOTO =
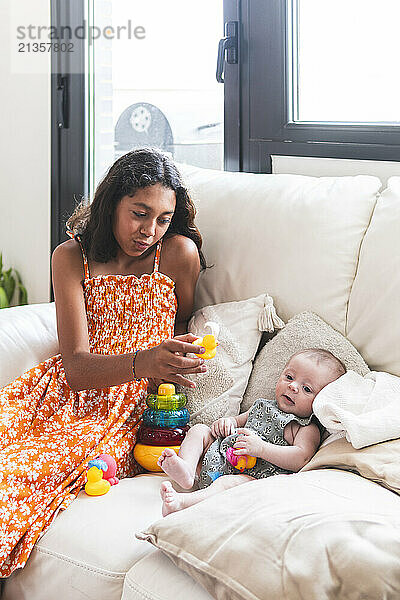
x=248, y=442
x=168, y=362
x=152, y=388
x=223, y=427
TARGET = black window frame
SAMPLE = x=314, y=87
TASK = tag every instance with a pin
x=266, y=124
x=68, y=120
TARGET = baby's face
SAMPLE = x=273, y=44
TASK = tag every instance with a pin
x=299, y=383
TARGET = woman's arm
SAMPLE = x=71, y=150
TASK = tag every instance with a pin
x=85, y=370
x=180, y=261
x=292, y=458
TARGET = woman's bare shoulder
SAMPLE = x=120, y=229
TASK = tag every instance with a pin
x=181, y=248
x=67, y=258
x=180, y=258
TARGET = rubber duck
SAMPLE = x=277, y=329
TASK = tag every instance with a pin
x=209, y=341
x=96, y=485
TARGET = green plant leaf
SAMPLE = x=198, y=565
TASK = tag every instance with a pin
x=9, y=285
x=3, y=299
x=23, y=294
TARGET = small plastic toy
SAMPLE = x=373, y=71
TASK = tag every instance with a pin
x=109, y=473
x=213, y=475
x=101, y=475
x=241, y=462
x=166, y=399
x=209, y=341
x=162, y=436
x=147, y=456
x=166, y=418
x=96, y=485
x=165, y=424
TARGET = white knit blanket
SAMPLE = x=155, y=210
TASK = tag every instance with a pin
x=365, y=409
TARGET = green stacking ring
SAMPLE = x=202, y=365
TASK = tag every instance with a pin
x=173, y=402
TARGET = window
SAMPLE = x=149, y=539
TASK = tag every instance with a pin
x=346, y=61
x=152, y=81
x=319, y=79
x=140, y=74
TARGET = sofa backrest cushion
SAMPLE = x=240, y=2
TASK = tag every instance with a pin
x=374, y=308
x=28, y=335
x=296, y=237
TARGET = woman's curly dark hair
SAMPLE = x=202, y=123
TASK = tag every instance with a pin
x=135, y=170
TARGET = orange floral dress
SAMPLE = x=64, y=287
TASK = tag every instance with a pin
x=48, y=432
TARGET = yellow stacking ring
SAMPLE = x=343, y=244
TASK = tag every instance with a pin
x=147, y=456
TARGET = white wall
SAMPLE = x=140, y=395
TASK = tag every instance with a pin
x=25, y=158
x=335, y=167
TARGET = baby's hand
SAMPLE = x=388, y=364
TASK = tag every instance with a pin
x=248, y=442
x=223, y=427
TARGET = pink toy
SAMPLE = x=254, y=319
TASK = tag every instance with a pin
x=240, y=462
x=109, y=474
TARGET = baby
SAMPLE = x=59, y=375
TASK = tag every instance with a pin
x=281, y=433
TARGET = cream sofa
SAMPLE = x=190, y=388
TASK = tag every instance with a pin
x=329, y=245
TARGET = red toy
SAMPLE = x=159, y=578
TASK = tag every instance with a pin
x=240, y=462
x=109, y=474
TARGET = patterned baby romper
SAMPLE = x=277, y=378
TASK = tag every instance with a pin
x=49, y=432
x=266, y=419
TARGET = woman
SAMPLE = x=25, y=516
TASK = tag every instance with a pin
x=121, y=285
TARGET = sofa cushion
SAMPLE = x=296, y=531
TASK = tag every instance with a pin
x=28, y=335
x=309, y=535
x=171, y=583
x=305, y=330
x=296, y=237
x=88, y=549
x=374, y=307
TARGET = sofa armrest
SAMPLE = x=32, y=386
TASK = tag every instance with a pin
x=28, y=336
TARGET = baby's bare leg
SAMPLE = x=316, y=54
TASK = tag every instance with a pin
x=182, y=468
x=174, y=501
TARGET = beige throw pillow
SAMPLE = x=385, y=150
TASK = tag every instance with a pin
x=321, y=534
x=305, y=330
x=380, y=462
x=219, y=391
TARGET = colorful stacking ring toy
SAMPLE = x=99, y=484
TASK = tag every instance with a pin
x=158, y=436
x=165, y=424
x=147, y=456
x=173, y=402
x=166, y=418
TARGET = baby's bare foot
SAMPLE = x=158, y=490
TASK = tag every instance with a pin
x=172, y=500
x=176, y=468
